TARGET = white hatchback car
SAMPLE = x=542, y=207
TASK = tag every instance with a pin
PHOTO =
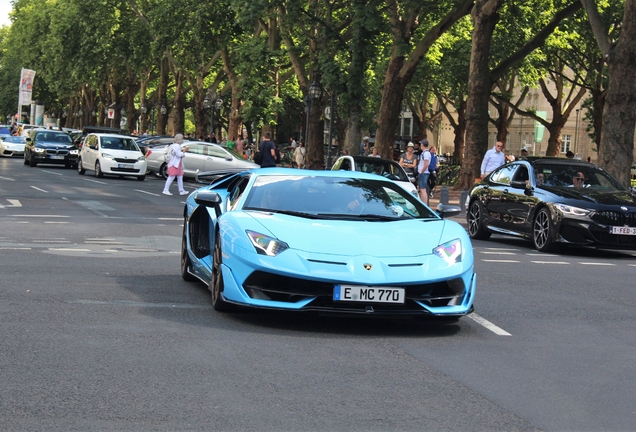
x=112, y=154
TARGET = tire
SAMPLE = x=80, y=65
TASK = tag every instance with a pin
x=98, y=170
x=141, y=178
x=80, y=168
x=216, y=284
x=474, y=218
x=186, y=264
x=542, y=231
x=164, y=171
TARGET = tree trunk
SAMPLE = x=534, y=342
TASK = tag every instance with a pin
x=354, y=135
x=616, y=150
x=485, y=18
x=162, y=119
x=315, y=149
x=554, y=139
x=391, y=105
x=460, y=134
x=178, y=121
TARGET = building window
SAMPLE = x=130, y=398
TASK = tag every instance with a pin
x=566, y=143
x=406, y=127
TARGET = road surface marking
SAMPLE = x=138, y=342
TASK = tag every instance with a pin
x=501, y=249
x=146, y=192
x=501, y=261
x=597, y=263
x=47, y=216
x=69, y=249
x=550, y=262
x=142, y=304
x=498, y=253
x=14, y=248
x=7, y=178
x=52, y=172
x=540, y=254
x=170, y=219
x=95, y=181
x=13, y=203
x=487, y=324
x=56, y=222
x=41, y=190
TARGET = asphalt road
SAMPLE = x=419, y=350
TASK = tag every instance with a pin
x=99, y=332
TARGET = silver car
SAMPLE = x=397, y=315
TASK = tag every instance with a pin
x=201, y=156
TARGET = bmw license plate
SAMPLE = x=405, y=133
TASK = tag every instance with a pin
x=623, y=230
x=126, y=166
x=353, y=293
x=57, y=157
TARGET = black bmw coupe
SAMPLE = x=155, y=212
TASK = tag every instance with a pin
x=554, y=201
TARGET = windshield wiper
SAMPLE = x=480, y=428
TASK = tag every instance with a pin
x=286, y=212
x=350, y=216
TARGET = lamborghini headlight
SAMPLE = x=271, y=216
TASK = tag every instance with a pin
x=573, y=212
x=451, y=251
x=266, y=245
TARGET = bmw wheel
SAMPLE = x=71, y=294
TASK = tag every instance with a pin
x=476, y=228
x=542, y=231
x=80, y=168
x=216, y=284
x=98, y=170
x=186, y=264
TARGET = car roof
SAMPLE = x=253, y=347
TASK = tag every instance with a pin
x=103, y=135
x=295, y=172
x=544, y=160
x=370, y=159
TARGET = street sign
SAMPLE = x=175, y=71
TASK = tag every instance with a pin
x=111, y=113
x=328, y=113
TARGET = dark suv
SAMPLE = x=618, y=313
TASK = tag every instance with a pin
x=48, y=146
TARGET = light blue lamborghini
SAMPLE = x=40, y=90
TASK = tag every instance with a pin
x=302, y=240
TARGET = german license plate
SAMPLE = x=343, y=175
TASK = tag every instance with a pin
x=57, y=157
x=623, y=230
x=353, y=293
x=126, y=166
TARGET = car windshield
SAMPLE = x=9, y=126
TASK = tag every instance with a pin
x=233, y=153
x=59, y=137
x=15, y=139
x=334, y=197
x=115, y=143
x=383, y=167
x=573, y=176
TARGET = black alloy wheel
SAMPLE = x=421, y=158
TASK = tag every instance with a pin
x=98, y=170
x=542, y=231
x=476, y=229
x=80, y=167
x=186, y=264
x=216, y=284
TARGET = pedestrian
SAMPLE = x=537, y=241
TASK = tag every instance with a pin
x=432, y=169
x=524, y=152
x=374, y=152
x=300, y=154
x=292, y=142
x=422, y=171
x=240, y=145
x=494, y=158
x=364, y=146
x=345, y=152
x=175, y=165
x=569, y=155
x=408, y=161
x=268, y=151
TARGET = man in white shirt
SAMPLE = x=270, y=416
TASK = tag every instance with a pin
x=493, y=159
x=292, y=143
x=423, y=173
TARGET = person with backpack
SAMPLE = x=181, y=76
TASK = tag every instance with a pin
x=267, y=148
x=432, y=169
x=422, y=171
x=174, y=156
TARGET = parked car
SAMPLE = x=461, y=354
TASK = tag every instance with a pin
x=112, y=154
x=46, y=146
x=202, y=156
x=12, y=146
x=384, y=167
x=554, y=201
x=330, y=241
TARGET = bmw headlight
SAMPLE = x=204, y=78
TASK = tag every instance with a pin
x=74, y=152
x=266, y=245
x=451, y=251
x=573, y=212
x=107, y=156
x=39, y=150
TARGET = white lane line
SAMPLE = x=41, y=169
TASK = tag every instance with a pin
x=46, y=216
x=52, y=172
x=55, y=222
x=632, y=265
x=597, y=264
x=41, y=190
x=550, y=262
x=7, y=178
x=52, y=241
x=498, y=253
x=501, y=249
x=170, y=219
x=500, y=261
x=487, y=324
x=95, y=181
x=146, y=192
x=540, y=254
x=101, y=238
x=14, y=203
x=14, y=248
x=69, y=249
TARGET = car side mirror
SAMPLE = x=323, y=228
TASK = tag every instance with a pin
x=447, y=210
x=519, y=184
x=209, y=199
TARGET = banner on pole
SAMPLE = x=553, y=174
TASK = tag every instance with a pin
x=26, y=86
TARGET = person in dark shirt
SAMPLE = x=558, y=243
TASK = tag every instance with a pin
x=268, y=150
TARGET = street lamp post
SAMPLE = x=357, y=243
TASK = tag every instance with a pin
x=212, y=103
x=314, y=93
x=331, y=115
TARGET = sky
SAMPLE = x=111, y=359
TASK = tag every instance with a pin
x=5, y=8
